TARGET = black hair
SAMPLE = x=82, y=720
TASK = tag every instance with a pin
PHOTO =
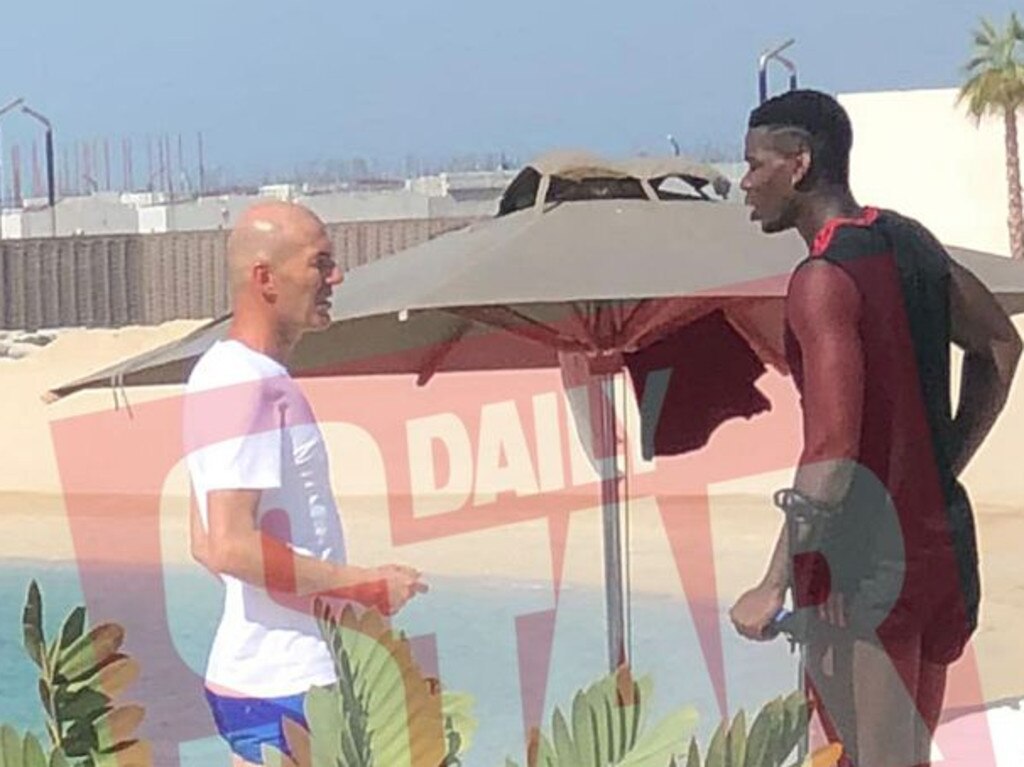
x=821, y=122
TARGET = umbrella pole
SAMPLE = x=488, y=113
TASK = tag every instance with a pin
x=611, y=524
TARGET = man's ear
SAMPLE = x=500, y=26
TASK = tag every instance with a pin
x=263, y=278
x=801, y=168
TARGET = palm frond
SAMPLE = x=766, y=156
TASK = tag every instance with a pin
x=1016, y=29
x=988, y=29
x=996, y=70
x=977, y=63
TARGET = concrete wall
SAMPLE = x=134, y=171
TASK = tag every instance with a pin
x=203, y=214
x=97, y=214
x=135, y=279
x=447, y=196
x=367, y=206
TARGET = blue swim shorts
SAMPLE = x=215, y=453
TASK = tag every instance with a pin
x=247, y=723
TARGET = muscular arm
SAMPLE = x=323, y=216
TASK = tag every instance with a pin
x=823, y=308
x=992, y=347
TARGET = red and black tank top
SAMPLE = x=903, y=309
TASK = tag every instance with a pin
x=903, y=275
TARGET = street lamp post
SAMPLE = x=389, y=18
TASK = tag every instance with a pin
x=766, y=58
x=4, y=110
x=50, y=192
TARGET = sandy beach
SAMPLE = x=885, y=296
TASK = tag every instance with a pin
x=34, y=523
x=743, y=528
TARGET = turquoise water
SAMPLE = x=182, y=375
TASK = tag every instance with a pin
x=470, y=623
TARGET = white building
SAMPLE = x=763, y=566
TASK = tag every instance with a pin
x=448, y=195
x=921, y=154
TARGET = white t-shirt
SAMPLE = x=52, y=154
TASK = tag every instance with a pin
x=248, y=426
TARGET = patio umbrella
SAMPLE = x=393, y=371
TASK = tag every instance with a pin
x=588, y=263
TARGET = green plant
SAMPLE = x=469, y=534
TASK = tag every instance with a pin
x=80, y=674
x=774, y=734
x=382, y=712
x=16, y=751
x=606, y=726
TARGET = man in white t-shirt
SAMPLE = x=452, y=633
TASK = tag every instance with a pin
x=266, y=520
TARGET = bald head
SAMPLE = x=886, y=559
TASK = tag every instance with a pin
x=269, y=232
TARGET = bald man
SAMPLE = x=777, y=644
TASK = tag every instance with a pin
x=266, y=520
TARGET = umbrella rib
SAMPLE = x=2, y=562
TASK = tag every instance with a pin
x=637, y=307
x=594, y=325
x=582, y=318
x=517, y=323
x=433, y=363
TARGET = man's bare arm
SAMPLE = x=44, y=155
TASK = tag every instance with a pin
x=824, y=308
x=198, y=541
x=991, y=347
x=236, y=546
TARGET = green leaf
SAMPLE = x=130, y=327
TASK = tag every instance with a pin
x=32, y=755
x=795, y=723
x=32, y=625
x=596, y=702
x=111, y=679
x=133, y=753
x=646, y=688
x=355, y=743
x=716, y=749
x=545, y=753
x=73, y=627
x=565, y=749
x=352, y=752
x=636, y=709
x=764, y=733
x=86, y=704
x=693, y=757
x=117, y=725
x=657, y=746
x=622, y=734
x=583, y=733
x=79, y=740
x=600, y=742
x=88, y=653
x=57, y=759
x=325, y=723
x=608, y=706
x=10, y=747
x=736, y=742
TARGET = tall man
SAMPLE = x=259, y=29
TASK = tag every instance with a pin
x=259, y=468
x=889, y=561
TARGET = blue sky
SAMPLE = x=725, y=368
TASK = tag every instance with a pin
x=273, y=85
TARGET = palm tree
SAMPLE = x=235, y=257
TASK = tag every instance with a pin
x=995, y=86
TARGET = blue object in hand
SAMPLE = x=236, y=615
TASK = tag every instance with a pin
x=779, y=624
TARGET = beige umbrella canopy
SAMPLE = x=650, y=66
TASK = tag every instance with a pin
x=564, y=261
